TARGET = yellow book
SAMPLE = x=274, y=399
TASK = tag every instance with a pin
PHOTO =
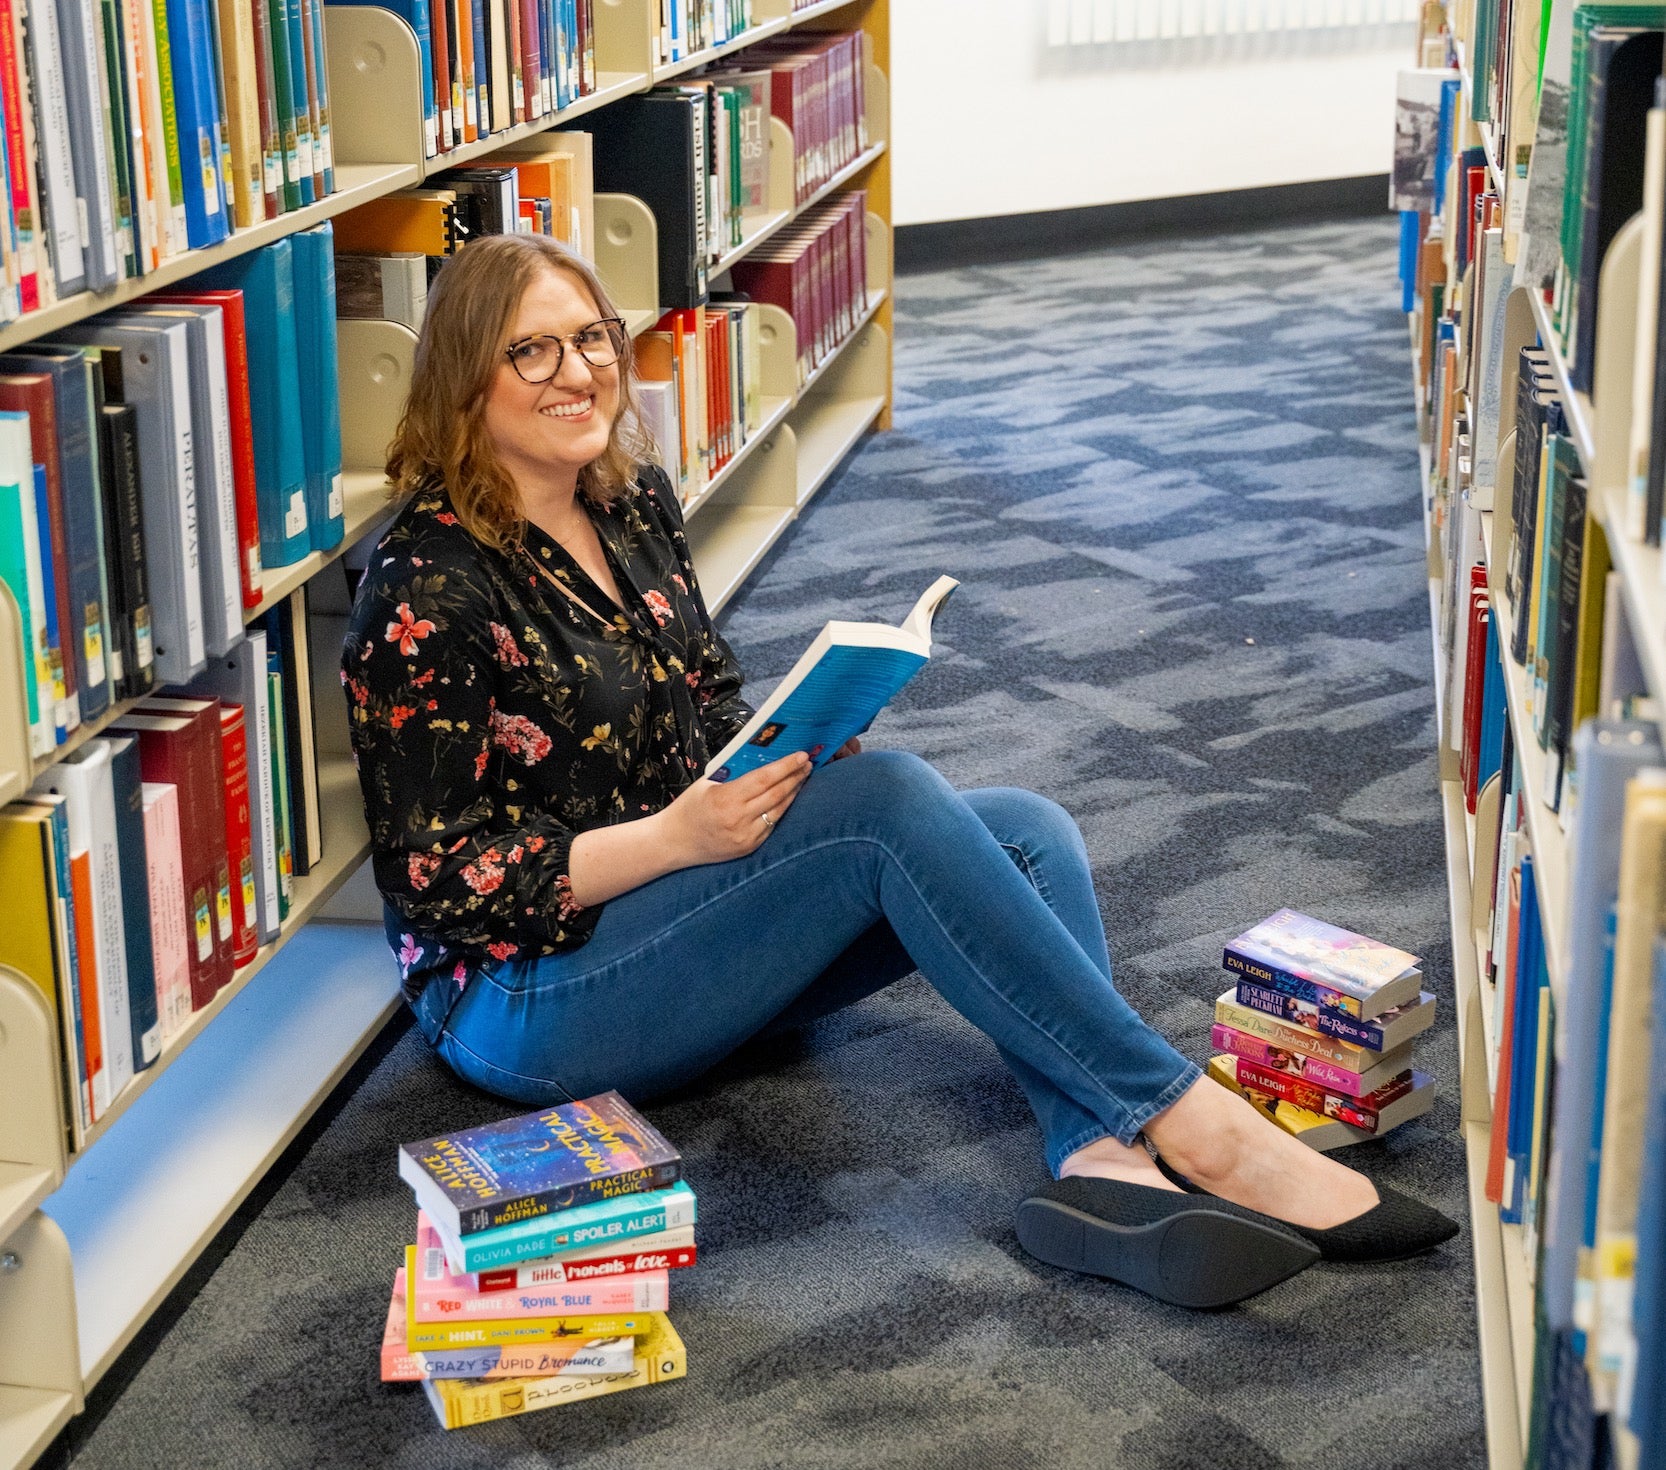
x=245, y=178
x=1593, y=588
x=421, y=220
x=497, y=1331
x=660, y=1357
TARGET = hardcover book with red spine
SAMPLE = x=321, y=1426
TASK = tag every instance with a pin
x=242, y=428
x=183, y=751
x=234, y=750
x=1480, y=616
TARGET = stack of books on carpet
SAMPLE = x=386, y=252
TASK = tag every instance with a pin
x=541, y=1267
x=1318, y=1030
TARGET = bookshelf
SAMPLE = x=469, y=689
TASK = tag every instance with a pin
x=1598, y=424
x=92, y=1241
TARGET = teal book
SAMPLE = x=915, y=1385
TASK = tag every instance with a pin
x=315, y=339
x=20, y=570
x=537, y=1164
x=844, y=678
x=266, y=277
x=619, y=1219
x=128, y=784
x=306, y=166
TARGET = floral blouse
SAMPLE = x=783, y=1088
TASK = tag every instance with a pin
x=493, y=718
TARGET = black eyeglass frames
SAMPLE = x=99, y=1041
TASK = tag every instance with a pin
x=538, y=359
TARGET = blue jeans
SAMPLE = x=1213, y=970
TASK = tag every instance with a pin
x=878, y=868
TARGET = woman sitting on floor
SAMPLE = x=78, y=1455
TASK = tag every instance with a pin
x=535, y=687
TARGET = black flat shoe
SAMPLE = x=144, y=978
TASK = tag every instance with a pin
x=1165, y=1244
x=1395, y=1227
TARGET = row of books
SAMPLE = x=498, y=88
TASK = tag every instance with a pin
x=151, y=863
x=390, y=249
x=491, y=65
x=699, y=389
x=815, y=270
x=1317, y=1032
x=683, y=28
x=1542, y=678
x=540, y=1274
x=134, y=132
x=155, y=461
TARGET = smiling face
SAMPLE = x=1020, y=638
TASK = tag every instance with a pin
x=545, y=433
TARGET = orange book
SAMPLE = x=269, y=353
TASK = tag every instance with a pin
x=550, y=178
x=462, y=22
x=420, y=220
x=1501, y=1093
x=92, y=1034
x=654, y=359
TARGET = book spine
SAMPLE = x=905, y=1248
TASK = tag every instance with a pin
x=1286, y=983
x=169, y=942
x=163, y=75
x=1324, y=1020
x=239, y=840
x=438, y=1301
x=92, y=1010
x=430, y=1336
x=616, y=1226
x=119, y=464
x=1308, y=1069
x=539, y=1360
x=56, y=165
x=461, y=1402
x=587, y=1268
x=13, y=98
x=568, y=1196
x=139, y=967
x=1360, y=1112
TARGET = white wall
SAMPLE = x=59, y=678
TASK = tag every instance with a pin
x=987, y=120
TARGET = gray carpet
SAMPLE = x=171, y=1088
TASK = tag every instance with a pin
x=1179, y=483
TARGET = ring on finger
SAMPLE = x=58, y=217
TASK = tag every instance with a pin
x=767, y=820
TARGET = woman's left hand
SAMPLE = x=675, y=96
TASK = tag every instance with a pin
x=853, y=746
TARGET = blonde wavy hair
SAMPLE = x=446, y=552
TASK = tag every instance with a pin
x=442, y=438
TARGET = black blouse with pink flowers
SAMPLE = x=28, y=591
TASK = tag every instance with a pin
x=493, y=718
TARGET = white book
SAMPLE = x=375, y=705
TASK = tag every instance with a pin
x=56, y=172
x=220, y=554
x=844, y=678
x=17, y=477
x=83, y=780
x=657, y=403
x=501, y=90
x=170, y=940
x=239, y=677
x=156, y=379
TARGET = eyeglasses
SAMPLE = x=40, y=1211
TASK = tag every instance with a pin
x=538, y=359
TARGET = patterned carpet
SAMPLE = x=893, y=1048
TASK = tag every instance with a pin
x=1178, y=482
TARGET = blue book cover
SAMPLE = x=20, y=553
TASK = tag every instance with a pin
x=482, y=67
x=1443, y=139
x=1607, y=755
x=315, y=342
x=266, y=277
x=537, y=1164
x=416, y=15
x=83, y=514
x=1584, y=1287
x=197, y=105
x=128, y=782
x=1408, y=259
x=1523, y=1048
x=1495, y=716
x=54, y=633
x=1648, y=1395
x=305, y=142
x=844, y=678
x=602, y=1223
x=321, y=83
x=19, y=575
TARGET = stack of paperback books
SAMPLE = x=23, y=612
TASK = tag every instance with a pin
x=542, y=1262
x=1318, y=1030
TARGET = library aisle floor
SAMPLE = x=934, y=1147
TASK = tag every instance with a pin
x=1178, y=481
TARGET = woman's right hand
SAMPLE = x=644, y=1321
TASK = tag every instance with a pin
x=714, y=821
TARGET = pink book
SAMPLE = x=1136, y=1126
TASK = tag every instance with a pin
x=565, y=1356
x=441, y=1297
x=168, y=940
x=661, y=1250
x=1312, y=1069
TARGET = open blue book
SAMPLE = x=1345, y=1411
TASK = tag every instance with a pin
x=844, y=678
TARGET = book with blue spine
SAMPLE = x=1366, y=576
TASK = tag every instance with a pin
x=23, y=570
x=305, y=142
x=844, y=678
x=323, y=142
x=537, y=1164
x=1584, y=1291
x=610, y=1220
x=315, y=343
x=1609, y=755
x=127, y=783
x=266, y=277
x=1495, y=716
x=1518, y=1118
x=197, y=106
